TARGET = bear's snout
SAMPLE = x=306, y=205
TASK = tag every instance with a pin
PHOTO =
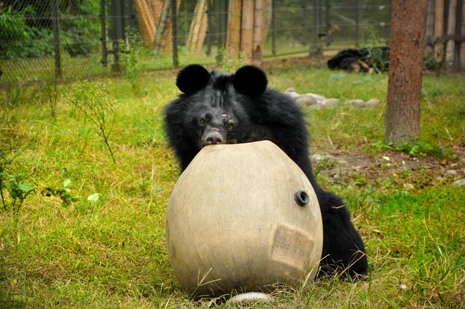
x=213, y=138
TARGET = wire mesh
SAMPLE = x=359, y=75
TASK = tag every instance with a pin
x=43, y=40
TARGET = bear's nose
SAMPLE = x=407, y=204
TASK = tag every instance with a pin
x=214, y=138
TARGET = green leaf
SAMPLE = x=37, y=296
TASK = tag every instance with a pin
x=25, y=187
x=67, y=183
x=94, y=197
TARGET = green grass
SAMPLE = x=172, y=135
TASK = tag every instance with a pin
x=111, y=252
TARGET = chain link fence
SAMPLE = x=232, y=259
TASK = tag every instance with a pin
x=48, y=39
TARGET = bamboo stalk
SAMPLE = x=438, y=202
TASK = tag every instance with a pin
x=146, y=22
x=259, y=23
x=450, y=45
x=247, y=28
x=439, y=30
x=233, y=40
x=198, y=27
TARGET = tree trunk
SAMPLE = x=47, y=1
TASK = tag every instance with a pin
x=405, y=70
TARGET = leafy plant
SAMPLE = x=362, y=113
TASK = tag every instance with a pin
x=229, y=63
x=132, y=51
x=64, y=193
x=17, y=189
x=382, y=146
x=92, y=100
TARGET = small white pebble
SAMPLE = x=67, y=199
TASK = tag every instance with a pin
x=403, y=287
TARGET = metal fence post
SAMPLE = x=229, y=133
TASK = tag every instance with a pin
x=56, y=37
x=174, y=26
x=103, y=38
x=357, y=23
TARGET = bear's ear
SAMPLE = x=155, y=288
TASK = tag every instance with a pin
x=192, y=78
x=251, y=80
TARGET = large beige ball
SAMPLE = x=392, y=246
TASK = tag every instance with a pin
x=234, y=225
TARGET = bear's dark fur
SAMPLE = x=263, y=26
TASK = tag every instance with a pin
x=218, y=108
x=361, y=60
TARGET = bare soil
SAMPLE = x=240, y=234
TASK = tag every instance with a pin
x=400, y=168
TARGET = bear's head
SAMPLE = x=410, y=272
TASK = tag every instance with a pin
x=215, y=104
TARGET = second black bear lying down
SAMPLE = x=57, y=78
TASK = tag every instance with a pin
x=219, y=108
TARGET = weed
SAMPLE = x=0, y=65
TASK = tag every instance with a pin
x=229, y=63
x=92, y=100
x=132, y=51
x=63, y=192
x=15, y=185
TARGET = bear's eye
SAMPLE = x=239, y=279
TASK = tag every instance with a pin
x=202, y=121
x=229, y=125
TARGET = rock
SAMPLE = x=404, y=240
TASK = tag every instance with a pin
x=451, y=173
x=289, y=90
x=292, y=93
x=317, y=106
x=306, y=100
x=317, y=96
x=317, y=157
x=408, y=186
x=330, y=102
x=460, y=182
x=356, y=103
x=372, y=102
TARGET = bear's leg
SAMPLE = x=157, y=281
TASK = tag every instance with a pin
x=343, y=249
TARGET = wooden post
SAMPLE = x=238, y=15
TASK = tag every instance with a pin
x=439, y=30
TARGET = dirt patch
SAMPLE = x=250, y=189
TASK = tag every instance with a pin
x=345, y=166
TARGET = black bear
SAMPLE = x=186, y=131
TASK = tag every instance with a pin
x=219, y=108
x=361, y=60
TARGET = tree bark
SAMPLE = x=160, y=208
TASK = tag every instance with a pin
x=405, y=70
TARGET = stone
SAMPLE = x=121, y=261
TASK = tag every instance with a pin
x=460, y=182
x=372, y=102
x=317, y=96
x=356, y=103
x=451, y=173
x=306, y=100
x=330, y=102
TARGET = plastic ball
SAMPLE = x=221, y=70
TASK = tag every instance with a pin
x=242, y=218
